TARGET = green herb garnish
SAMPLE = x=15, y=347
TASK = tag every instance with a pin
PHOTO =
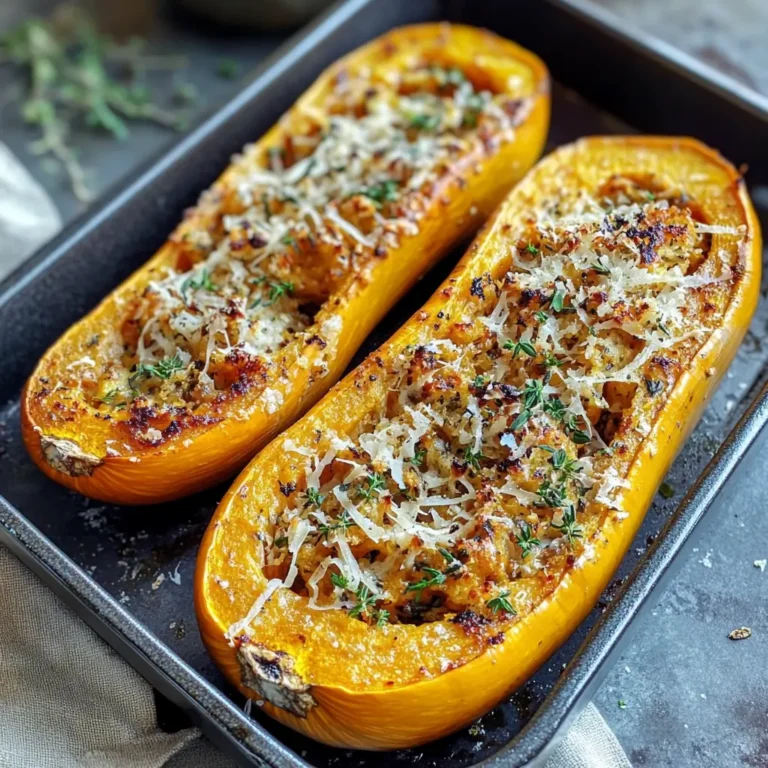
x=339, y=580
x=343, y=523
x=435, y=578
x=521, y=420
x=418, y=457
x=561, y=462
x=376, y=483
x=569, y=527
x=110, y=398
x=533, y=394
x=666, y=490
x=277, y=289
x=384, y=192
x=313, y=497
x=557, y=300
x=555, y=408
x=202, y=282
x=552, y=495
x=520, y=346
x=424, y=122
x=526, y=540
x=501, y=603
x=161, y=370
x=472, y=458
x=454, y=564
x=365, y=601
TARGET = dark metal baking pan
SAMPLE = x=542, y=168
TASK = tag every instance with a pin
x=105, y=560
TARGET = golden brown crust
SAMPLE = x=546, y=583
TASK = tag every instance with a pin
x=253, y=306
x=404, y=683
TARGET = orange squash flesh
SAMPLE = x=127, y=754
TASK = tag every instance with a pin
x=401, y=684
x=134, y=452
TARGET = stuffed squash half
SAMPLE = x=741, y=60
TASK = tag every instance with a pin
x=415, y=547
x=261, y=296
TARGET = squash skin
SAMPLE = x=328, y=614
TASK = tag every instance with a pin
x=416, y=712
x=209, y=453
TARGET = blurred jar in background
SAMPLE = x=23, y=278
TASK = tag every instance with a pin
x=256, y=14
x=120, y=19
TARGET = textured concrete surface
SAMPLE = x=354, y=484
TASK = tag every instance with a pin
x=690, y=696
x=727, y=34
x=693, y=697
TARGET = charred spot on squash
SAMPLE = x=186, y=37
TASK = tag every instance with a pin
x=271, y=675
x=619, y=396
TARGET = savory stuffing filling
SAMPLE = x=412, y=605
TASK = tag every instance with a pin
x=505, y=440
x=325, y=202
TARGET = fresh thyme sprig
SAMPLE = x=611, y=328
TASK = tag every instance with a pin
x=201, y=282
x=163, y=369
x=73, y=79
x=568, y=527
x=526, y=539
x=277, y=289
x=383, y=192
x=434, y=579
x=342, y=523
x=313, y=497
x=520, y=346
x=501, y=603
x=472, y=458
x=418, y=457
x=376, y=483
x=365, y=601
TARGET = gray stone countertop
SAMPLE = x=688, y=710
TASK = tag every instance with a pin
x=683, y=694
x=693, y=697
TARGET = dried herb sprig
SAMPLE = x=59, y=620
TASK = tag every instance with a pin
x=77, y=76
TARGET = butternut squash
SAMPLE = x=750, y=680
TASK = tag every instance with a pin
x=410, y=551
x=258, y=300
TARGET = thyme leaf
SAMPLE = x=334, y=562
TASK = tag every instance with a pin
x=569, y=527
x=526, y=540
x=501, y=603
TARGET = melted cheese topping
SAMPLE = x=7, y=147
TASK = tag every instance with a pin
x=506, y=439
x=327, y=201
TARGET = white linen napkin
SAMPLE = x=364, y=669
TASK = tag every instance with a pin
x=67, y=700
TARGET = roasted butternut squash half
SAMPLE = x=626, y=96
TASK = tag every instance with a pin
x=259, y=299
x=410, y=551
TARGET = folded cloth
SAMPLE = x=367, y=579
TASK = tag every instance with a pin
x=66, y=699
x=27, y=216
x=590, y=743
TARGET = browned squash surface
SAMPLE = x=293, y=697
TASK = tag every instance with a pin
x=261, y=296
x=410, y=551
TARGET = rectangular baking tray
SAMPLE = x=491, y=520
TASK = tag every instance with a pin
x=104, y=560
